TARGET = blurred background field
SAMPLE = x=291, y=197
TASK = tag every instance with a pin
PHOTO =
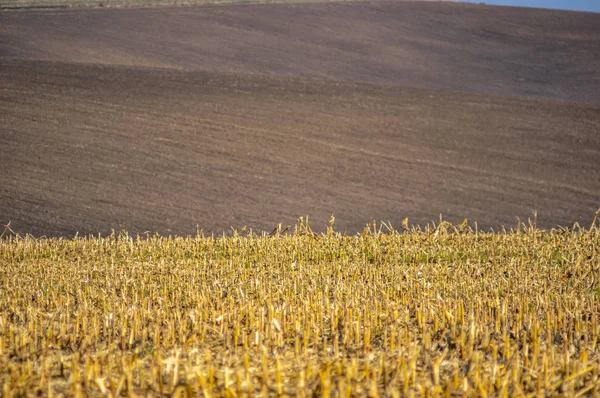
x=170, y=119
x=49, y=4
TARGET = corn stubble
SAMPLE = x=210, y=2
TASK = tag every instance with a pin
x=439, y=311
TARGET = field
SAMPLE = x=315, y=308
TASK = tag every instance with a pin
x=441, y=311
x=62, y=4
x=177, y=119
x=447, y=156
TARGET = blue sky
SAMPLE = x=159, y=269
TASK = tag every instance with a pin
x=581, y=5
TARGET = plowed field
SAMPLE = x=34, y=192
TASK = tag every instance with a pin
x=172, y=120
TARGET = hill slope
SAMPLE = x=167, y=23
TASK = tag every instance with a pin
x=493, y=50
x=173, y=119
x=90, y=148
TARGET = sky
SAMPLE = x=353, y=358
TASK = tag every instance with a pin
x=580, y=5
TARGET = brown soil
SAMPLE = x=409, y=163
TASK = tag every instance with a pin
x=494, y=50
x=173, y=119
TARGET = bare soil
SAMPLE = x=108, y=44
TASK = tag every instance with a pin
x=461, y=47
x=172, y=120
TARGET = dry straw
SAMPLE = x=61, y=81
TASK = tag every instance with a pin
x=440, y=311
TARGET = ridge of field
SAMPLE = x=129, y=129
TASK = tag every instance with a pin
x=9, y=5
x=50, y=4
x=440, y=312
x=450, y=46
x=88, y=148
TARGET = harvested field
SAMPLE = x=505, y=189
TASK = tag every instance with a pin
x=176, y=120
x=173, y=119
x=445, y=312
